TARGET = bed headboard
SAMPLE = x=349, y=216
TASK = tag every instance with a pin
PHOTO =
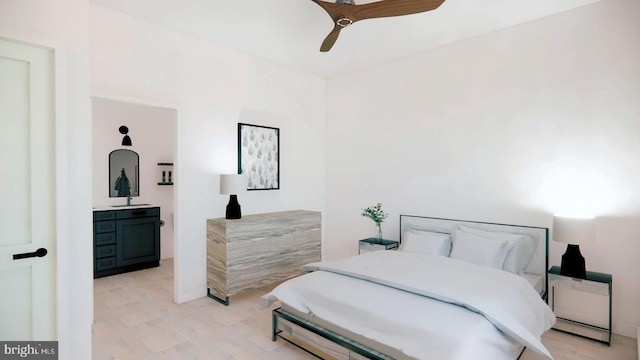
x=539, y=263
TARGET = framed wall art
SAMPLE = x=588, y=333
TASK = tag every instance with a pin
x=259, y=156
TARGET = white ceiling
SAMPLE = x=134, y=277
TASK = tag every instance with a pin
x=290, y=32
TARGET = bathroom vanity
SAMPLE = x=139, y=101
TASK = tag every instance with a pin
x=125, y=239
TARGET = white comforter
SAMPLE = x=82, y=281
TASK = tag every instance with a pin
x=413, y=310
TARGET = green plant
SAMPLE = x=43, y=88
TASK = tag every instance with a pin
x=375, y=213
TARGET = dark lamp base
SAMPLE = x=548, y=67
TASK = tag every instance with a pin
x=233, y=208
x=573, y=263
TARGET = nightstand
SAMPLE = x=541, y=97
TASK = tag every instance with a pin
x=596, y=284
x=373, y=244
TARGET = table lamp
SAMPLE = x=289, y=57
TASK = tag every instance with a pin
x=233, y=184
x=573, y=232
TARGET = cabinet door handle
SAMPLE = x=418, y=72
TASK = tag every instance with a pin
x=139, y=213
x=38, y=253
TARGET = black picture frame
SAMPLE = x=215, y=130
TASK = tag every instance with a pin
x=259, y=156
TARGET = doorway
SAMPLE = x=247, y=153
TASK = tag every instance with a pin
x=152, y=134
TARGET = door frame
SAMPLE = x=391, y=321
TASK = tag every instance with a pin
x=176, y=187
x=60, y=101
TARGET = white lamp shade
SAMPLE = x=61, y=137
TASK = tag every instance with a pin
x=232, y=184
x=574, y=231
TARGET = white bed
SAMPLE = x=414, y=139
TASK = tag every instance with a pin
x=417, y=303
x=536, y=269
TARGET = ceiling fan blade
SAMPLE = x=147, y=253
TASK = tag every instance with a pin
x=328, y=42
x=344, y=15
x=382, y=8
x=389, y=8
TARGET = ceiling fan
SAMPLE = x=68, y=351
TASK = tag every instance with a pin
x=346, y=12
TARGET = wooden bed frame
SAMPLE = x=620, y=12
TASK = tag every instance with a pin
x=325, y=343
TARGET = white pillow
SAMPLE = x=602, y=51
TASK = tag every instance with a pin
x=479, y=249
x=522, y=247
x=426, y=242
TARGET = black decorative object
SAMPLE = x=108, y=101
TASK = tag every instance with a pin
x=259, y=156
x=573, y=232
x=573, y=263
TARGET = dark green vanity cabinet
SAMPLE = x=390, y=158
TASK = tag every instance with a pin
x=125, y=240
x=104, y=241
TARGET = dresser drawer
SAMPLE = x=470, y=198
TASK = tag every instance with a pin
x=593, y=287
x=104, y=215
x=106, y=263
x=105, y=239
x=136, y=213
x=370, y=244
x=104, y=226
x=105, y=251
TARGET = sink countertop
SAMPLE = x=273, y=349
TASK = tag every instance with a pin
x=122, y=207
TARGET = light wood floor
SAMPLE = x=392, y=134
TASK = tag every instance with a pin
x=136, y=318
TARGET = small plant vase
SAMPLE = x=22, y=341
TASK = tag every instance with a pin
x=378, y=233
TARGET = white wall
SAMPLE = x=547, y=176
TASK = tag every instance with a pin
x=153, y=133
x=213, y=88
x=509, y=127
x=62, y=25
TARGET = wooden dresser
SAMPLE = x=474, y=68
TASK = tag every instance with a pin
x=260, y=249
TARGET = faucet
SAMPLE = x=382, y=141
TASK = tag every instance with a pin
x=129, y=197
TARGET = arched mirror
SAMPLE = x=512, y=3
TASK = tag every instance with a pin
x=124, y=172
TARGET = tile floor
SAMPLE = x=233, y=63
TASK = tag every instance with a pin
x=136, y=318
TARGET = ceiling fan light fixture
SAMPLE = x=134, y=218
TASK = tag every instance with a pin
x=347, y=2
x=344, y=22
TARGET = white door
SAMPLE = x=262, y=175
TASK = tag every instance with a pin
x=27, y=193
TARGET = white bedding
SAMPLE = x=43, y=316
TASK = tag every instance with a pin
x=537, y=281
x=404, y=315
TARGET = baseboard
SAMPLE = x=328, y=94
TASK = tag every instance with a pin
x=625, y=328
x=188, y=295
